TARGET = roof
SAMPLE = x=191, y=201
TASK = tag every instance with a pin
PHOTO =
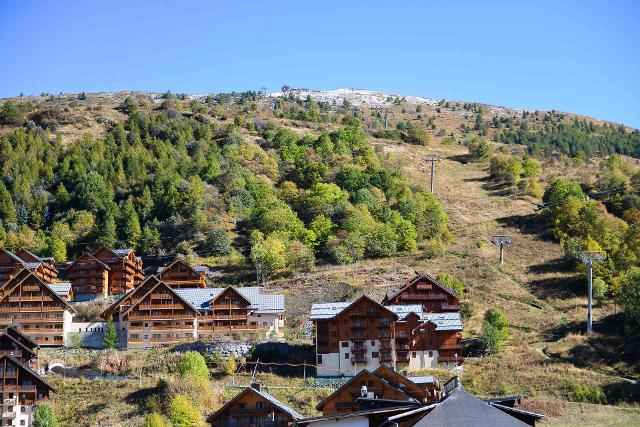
x=93, y=259
x=330, y=310
x=327, y=310
x=419, y=276
x=196, y=268
x=60, y=288
x=352, y=379
x=403, y=310
x=24, y=339
x=275, y=402
x=17, y=340
x=201, y=298
x=423, y=379
x=516, y=412
x=28, y=369
x=462, y=409
x=46, y=285
x=122, y=252
x=158, y=283
x=357, y=414
x=444, y=321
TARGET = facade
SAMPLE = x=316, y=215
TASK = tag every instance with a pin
x=155, y=313
x=366, y=335
x=11, y=264
x=103, y=273
x=253, y=407
x=21, y=389
x=179, y=274
x=18, y=345
x=433, y=296
x=35, y=309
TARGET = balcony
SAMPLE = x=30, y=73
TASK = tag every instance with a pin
x=31, y=288
x=450, y=347
x=386, y=357
x=224, y=317
x=384, y=333
x=358, y=359
x=423, y=297
x=358, y=324
x=12, y=374
x=14, y=353
x=424, y=286
x=31, y=298
x=385, y=345
x=134, y=339
x=357, y=336
x=161, y=296
x=18, y=388
x=358, y=348
x=10, y=401
x=6, y=415
x=171, y=327
x=228, y=307
x=134, y=316
x=160, y=306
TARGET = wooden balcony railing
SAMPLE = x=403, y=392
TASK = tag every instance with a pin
x=171, y=327
x=134, y=339
x=31, y=298
x=355, y=359
x=160, y=306
x=228, y=307
x=18, y=388
x=358, y=348
x=134, y=316
x=423, y=297
x=31, y=288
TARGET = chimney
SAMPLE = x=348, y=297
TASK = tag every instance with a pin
x=256, y=385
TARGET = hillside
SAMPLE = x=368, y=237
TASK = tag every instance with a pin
x=541, y=293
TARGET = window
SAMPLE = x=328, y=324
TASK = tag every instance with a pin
x=345, y=344
x=430, y=353
x=374, y=354
x=241, y=405
x=373, y=343
x=414, y=354
x=346, y=355
x=259, y=405
x=370, y=383
x=320, y=359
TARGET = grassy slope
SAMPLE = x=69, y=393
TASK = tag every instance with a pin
x=542, y=300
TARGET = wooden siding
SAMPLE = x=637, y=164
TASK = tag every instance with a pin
x=250, y=410
x=431, y=295
x=180, y=275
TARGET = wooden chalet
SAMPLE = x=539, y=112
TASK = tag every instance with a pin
x=125, y=269
x=179, y=274
x=366, y=335
x=365, y=385
x=18, y=345
x=426, y=291
x=105, y=272
x=351, y=334
x=11, y=264
x=31, y=306
x=425, y=390
x=20, y=389
x=155, y=313
x=253, y=407
x=89, y=278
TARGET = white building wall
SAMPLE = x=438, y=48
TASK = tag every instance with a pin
x=423, y=360
x=266, y=319
x=341, y=364
x=330, y=365
x=66, y=326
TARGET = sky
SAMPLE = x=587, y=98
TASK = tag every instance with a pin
x=575, y=56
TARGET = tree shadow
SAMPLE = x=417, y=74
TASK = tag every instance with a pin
x=557, y=265
x=533, y=224
x=558, y=287
x=460, y=158
x=497, y=189
x=140, y=397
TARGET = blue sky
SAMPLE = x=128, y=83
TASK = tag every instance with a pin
x=582, y=57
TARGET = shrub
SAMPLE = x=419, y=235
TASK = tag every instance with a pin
x=230, y=366
x=183, y=414
x=155, y=419
x=495, y=330
x=417, y=134
x=110, y=335
x=193, y=363
x=76, y=340
x=43, y=416
x=452, y=282
x=587, y=394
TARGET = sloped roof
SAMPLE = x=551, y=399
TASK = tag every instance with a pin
x=423, y=379
x=419, y=276
x=463, y=409
x=93, y=258
x=327, y=310
x=17, y=340
x=403, y=310
x=159, y=282
x=275, y=402
x=263, y=303
x=28, y=369
x=444, y=321
x=60, y=288
x=30, y=273
x=364, y=413
x=24, y=339
x=122, y=252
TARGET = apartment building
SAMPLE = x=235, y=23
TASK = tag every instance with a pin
x=156, y=313
x=423, y=289
x=253, y=407
x=366, y=335
x=179, y=274
x=11, y=264
x=103, y=273
x=35, y=309
x=18, y=345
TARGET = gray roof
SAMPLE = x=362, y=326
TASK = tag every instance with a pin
x=403, y=310
x=60, y=288
x=279, y=404
x=444, y=321
x=122, y=252
x=201, y=298
x=327, y=310
x=464, y=409
x=423, y=379
x=198, y=268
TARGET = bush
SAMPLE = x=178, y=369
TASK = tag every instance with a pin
x=586, y=394
x=230, y=366
x=155, y=419
x=452, y=282
x=43, y=416
x=495, y=330
x=76, y=340
x=417, y=134
x=183, y=414
x=110, y=335
x=193, y=363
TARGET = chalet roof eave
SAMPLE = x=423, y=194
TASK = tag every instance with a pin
x=271, y=399
x=89, y=255
x=393, y=294
x=17, y=341
x=364, y=412
x=28, y=369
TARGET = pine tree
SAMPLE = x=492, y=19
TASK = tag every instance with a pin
x=107, y=233
x=110, y=335
x=130, y=230
x=8, y=212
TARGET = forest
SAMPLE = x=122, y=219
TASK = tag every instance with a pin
x=166, y=182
